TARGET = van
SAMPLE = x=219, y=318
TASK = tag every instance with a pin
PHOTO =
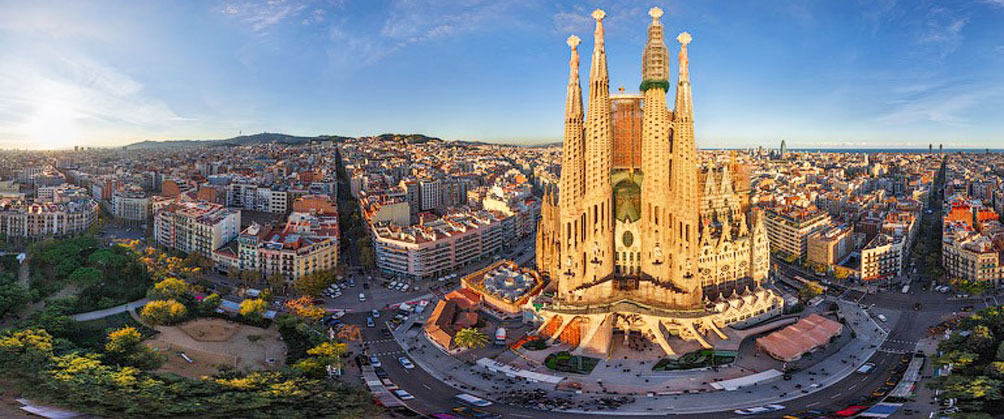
x=362, y=297
x=470, y=400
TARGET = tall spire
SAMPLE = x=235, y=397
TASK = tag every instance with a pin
x=572, y=181
x=598, y=202
x=684, y=101
x=655, y=66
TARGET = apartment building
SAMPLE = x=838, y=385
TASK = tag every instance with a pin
x=437, y=247
x=46, y=219
x=789, y=228
x=196, y=226
x=131, y=204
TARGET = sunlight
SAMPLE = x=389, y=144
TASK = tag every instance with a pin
x=53, y=127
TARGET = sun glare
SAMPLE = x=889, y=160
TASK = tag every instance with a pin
x=53, y=127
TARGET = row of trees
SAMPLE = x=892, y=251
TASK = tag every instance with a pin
x=114, y=383
x=105, y=276
x=976, y=356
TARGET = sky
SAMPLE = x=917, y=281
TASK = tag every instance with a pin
x=819, y=74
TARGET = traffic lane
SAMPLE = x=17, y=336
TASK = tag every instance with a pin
x=856, y=386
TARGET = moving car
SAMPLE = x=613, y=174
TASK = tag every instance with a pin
x=866, y=368
x=376, y=313
x=759, y=409
x=403, y=395
x=369, y=322
x=406, y=363
x=362, y=297
x=375, y=362
x=850, y=411
x=471, y=412
x=916, y=306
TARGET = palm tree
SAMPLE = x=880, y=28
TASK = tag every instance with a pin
x=470, y=338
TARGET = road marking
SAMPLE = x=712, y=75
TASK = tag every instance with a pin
x=519, y=415
x=852, y=387
x=426, y=387
x=811, y=404
x=835, y=396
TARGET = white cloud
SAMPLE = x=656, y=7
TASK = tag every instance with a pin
x=87, y=98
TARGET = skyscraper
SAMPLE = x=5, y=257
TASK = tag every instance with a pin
x=623, y=241
x=784, y=149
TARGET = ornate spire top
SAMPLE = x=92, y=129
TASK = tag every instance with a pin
x=599, y=14
x=684, y=38
x=656, y=13
x=573, y=41
x=655, y=66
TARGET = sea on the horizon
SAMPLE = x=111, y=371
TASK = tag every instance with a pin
x=879, y=150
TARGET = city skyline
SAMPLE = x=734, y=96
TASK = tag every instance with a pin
x=875, y=75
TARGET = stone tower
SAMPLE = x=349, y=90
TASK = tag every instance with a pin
x=622, y=241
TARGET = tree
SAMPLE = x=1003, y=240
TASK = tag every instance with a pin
x=366, y=256
x=313, y=283
x=980, y=340
x=305, y=308
x=350, y=332
x=276, y=282
x=253, y=308
x=210, y=303
x=169, y=288
x=85, y=276
x=1000, y=351
x=470, y=338
x=125, y=347
x=164, y=311
x=970, y=387
x=321, y=356
x=13, y=297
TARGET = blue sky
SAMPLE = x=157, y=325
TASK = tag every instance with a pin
x=869, y=73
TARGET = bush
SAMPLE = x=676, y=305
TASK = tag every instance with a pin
x=164, y=312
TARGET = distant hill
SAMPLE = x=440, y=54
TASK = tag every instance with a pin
x=265, y=137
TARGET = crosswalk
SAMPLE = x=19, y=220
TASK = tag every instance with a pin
x=379, y=341
x=388, y=353
x=897, y=346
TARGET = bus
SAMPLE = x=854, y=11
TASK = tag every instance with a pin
x=471, y=400
x=500, y=336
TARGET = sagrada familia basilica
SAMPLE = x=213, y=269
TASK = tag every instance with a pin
x=642, y=241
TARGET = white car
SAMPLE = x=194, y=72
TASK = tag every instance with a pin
x=404, y=288
x=759, y=409
x=406, y=363
x=376, y=313
x=393, y=284
x=375, y=362
x=403, y=395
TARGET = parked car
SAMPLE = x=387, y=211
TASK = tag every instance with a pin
x=759, y=409
x=380, y=372
x=375, y=362
x=406, y=363
x=403, y=395
x=404, y=288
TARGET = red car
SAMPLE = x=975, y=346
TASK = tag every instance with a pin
x=851, y=411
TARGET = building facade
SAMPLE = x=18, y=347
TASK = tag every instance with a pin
x=196, y=227
x=625, y=242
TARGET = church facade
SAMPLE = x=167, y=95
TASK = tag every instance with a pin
x=641, y=239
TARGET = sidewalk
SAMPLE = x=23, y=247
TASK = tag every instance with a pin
x=98, y=314
x=822, y=374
